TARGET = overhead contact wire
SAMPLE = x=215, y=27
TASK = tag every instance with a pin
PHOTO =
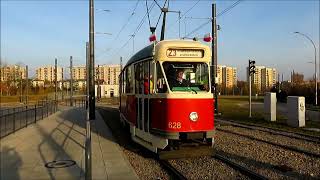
x=218, y=15
x=137, y=29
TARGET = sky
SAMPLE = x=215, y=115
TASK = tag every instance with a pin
x=34, y=33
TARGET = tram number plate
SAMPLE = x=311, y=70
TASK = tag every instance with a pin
x=174, y=125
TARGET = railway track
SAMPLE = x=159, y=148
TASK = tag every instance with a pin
x=295, y=135
x=236, y=166
x=171, y=170
x=291, y=148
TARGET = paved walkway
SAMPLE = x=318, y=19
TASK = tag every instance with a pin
x=61, y=136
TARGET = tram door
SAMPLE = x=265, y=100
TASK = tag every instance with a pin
x=143, y=89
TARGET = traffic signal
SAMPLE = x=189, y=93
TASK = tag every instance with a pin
x=252, y=67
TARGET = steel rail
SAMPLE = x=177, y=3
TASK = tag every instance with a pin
x=239, y=167
x=291, y=148
x=295, y=135
x=173, y=171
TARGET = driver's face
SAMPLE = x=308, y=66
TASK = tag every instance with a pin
x=180, y=74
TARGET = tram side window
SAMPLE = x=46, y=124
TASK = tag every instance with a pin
x=146, y=77
x=138, y=70
x=151, y=68
x=129, y=80
x=124, y=82
x=161, y=83
x=120, y=84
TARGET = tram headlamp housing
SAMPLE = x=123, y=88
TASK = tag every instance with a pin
x=193, y=116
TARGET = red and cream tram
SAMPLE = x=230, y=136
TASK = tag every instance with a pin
x=165, y=95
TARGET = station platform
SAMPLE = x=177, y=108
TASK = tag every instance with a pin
x=60, y=138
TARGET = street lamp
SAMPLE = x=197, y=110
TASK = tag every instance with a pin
x=105, y=10
x=315, y=63
x=105, y=33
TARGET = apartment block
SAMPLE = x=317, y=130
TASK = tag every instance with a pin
x=107, y=74
x=12, y=72
x=220, y=74
x=264, y=78
x=227, y=76
x=79, y=73
x=268, y=78
x=47, y=73
x=230, y=77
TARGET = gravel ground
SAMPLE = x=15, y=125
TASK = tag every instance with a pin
x=146, y=168
x=270, y=161
x=205, y=168
x=141, y=159
x=301, y=144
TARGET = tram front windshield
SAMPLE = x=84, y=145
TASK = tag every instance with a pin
x=187, y=76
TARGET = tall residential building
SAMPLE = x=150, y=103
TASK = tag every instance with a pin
x=220, y=74
x=268, y=78
x=79, y=73
x=230, y=77
x=227, y=76
x=12, y=72
x=109, y=74
x=264, y=78
x=47, y=73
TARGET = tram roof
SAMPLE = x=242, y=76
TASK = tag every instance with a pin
x=147, y=51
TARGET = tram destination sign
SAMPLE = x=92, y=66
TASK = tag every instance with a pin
x=185, y=53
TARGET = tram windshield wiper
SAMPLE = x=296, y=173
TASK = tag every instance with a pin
x=193, y=90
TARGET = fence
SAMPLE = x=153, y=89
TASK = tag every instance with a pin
x=14, y=119
x=77, y=102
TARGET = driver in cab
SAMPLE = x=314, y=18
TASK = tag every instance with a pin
x=179, y=81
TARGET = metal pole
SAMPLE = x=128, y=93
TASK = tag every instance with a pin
x=27, y=84
x=71, y=82
x=62, y=86
x=179, y=24
x=315, y=65
x=132, y=43
x=315, y=62
x=214, y=56
x=87, y=76
x=120, y=63
x=21, y=86
x=91, y=64
x=249, y=90
x=163, y=28
x=315, y=69
x=55, y=79
x=98, y=82
x=91, y=109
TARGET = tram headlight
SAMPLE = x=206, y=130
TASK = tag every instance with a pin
x=193, y=116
